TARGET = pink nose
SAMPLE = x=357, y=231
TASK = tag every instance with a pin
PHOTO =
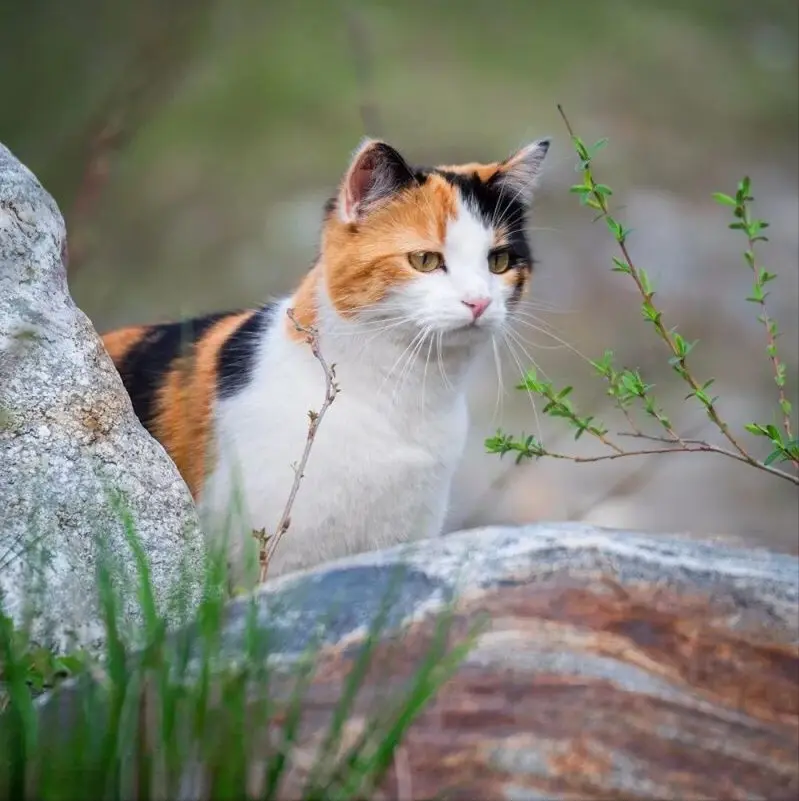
x=477, y=306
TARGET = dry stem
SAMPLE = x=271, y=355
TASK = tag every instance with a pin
x=162, y=50
x=364, y=71
x=269, y=542
x=683, y=446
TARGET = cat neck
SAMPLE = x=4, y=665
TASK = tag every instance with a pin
x=393, y=361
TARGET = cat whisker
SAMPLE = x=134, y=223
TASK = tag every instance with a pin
x=441, y=367
x=528, y=310
x=544, y=307
x=500, y=387
x=376, y=326
x=562, y=342
x=426, y=364
x=512, y=334
x=398, y=360
x=522, y=373
x=410, y=361
x=534, y=344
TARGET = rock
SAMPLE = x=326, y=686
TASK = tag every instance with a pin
x=609, y=664
x=612, y=665
x=70, y=443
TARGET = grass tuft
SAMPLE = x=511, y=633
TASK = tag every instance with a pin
x=178, y=715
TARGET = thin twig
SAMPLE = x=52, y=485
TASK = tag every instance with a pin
x=103, y=145
x=270, y=542
x=768, y=323
x=664, y=333
x=364, y=71
x=628, y=416
x=162, y=51
x=704, y=445
x=691, y=446
x=636, y=479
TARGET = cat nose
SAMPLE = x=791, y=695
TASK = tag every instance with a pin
x=477, y=306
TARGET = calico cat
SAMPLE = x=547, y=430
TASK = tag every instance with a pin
x=418, y=270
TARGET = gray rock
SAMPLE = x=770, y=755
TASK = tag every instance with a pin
x=607, y=664
x=74, y=460
x=345, y=593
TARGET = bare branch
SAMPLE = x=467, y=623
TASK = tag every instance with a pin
x=637, y=478
x=269, y=542
x=690, y=446
x=364, y=71
x=162, y=52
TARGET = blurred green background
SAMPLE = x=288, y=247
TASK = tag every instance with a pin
x=190, y=146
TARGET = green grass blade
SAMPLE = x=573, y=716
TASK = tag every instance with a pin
x=354, y=681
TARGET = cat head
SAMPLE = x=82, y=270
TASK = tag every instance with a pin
x=443, y=249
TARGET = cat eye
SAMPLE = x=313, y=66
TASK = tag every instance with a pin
x=425, y=261
x=499, y=261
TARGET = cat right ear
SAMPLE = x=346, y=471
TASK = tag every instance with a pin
x=375, y=173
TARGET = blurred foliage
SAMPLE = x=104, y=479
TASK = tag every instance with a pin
x=191, y=143
x=217, y=111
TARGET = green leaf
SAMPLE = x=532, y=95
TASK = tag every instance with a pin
x=765, y=276
x=773, y=432
x=725, y=200
x=621, y=266
x=646, y=283
x=757, y=295
x=614, y=226
x=776, y=454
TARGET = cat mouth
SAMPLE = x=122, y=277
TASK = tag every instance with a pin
x=471, y=328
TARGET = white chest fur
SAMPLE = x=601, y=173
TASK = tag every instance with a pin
x=382, y=462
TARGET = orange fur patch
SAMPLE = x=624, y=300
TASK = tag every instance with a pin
x=304, y=304
x=518, y=278
x=184, y=403
x=120, y=342
x=484, y=171
x=363, y=261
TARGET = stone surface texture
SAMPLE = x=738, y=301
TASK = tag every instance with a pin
x=69, y=440
x=609, y=665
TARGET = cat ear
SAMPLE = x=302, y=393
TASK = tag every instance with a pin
x=519, y=174
x=375, y=173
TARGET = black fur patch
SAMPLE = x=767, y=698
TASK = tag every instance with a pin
x=495, y=205
x=146, y=364
x=237, y=355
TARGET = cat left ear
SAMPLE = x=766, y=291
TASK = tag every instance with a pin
x=519, y=174
x=375, y=173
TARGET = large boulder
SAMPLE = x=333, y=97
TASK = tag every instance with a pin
x=76, y=467
x=607, y=665
x=610, y=664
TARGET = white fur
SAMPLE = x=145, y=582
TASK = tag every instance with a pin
x=384, y=456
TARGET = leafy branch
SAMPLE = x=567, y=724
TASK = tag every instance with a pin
x=628, y=388
x=269, y=542
x=753, y=228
